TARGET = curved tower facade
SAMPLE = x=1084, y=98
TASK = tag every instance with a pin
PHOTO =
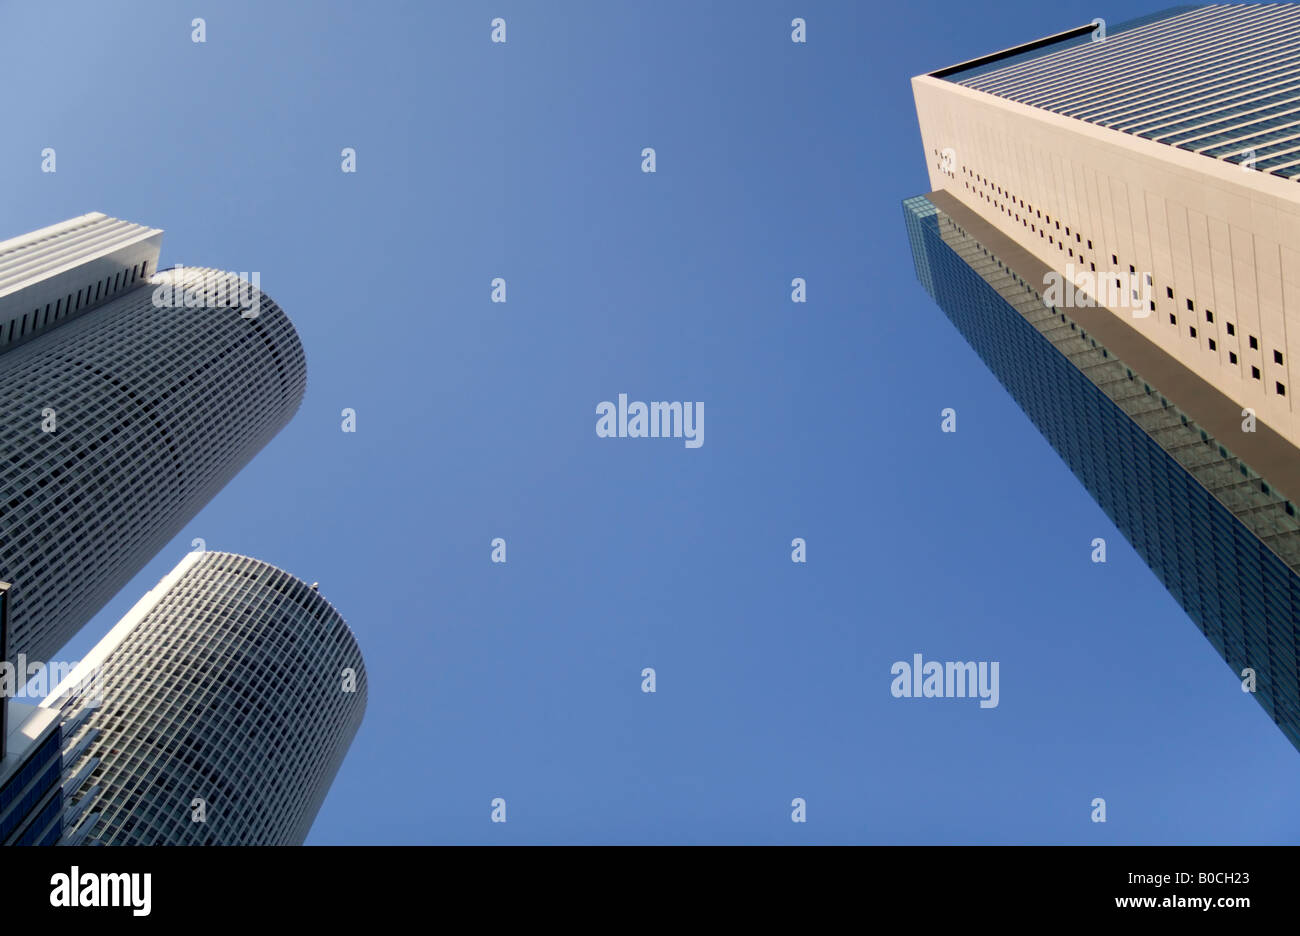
x=123, y=420
x=217, y=712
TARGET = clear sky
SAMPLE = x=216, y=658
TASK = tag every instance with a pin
x=477, y=420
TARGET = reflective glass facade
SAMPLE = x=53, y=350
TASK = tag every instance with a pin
x=1224, y=544
x=31, y=800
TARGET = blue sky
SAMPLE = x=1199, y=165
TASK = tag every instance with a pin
x=477, y=420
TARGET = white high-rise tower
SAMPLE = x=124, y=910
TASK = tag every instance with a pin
x=130, y=397
x=217, y=712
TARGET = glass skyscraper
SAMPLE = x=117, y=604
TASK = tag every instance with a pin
x=1114, y=227
x=31, y=765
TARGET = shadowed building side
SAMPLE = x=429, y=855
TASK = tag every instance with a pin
x=120, y=426
x=1209, y=527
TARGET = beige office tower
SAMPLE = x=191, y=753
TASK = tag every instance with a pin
x=1114, y=226
x=217, y=712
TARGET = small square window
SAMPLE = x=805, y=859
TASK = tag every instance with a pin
x=1192, y=330
x=1209, y=316
x=1232, y=357
x=1254, y=372
x=1169, y=291
x=1277, y=356
x=1090, y=245
x=1231, y=330
x=1213, y=346
x=1254, y=343
x=1114, y=259
x=1152, y=304
x=1190, y=307
x=1173, y=319
x=1281, y=390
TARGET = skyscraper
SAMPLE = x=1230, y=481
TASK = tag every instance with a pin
x=31, y=777
x=1114, y=227
x=130, y=398
x=223, y=705
x=31, y=764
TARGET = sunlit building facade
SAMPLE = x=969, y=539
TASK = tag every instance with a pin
x=219, y=711
x=1114, y=227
